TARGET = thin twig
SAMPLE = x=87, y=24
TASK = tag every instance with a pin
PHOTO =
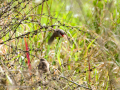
x=75, y=83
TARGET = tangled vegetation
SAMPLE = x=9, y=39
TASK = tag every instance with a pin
x=88, y=59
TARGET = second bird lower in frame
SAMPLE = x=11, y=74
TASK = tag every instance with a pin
x=43, y=66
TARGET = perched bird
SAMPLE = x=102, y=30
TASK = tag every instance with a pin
x=57, y=33
x=60, y=33
x=43, y=66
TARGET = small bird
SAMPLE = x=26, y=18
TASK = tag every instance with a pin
x=43, y=66
x=60, y=33
x=57, y=33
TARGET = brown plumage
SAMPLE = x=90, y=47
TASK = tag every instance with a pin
x=57, y=33
x=43, y=66
x=60, y=33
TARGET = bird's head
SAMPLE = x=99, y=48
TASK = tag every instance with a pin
x=60, y=33
x=42, y=60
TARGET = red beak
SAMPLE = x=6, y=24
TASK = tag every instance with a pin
x=62, y=34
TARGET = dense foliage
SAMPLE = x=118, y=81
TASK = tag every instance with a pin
x=87, y=59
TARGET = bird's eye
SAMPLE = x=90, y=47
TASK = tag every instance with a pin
x=61, y=33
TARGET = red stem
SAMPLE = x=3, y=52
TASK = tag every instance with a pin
x=27, y=53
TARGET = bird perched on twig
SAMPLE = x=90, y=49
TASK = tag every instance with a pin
x=60, y=33
x=57, y=33
x=43, y=66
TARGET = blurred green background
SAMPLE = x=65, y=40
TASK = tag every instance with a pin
x=93, y=60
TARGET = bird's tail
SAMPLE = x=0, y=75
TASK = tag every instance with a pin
x=51, y=40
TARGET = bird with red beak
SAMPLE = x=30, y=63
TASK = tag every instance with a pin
x=57, y=33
